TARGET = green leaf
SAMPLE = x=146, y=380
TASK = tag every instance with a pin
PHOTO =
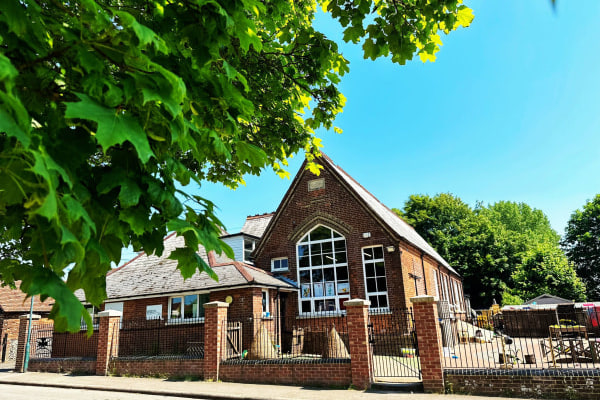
x=137, y=218
x=130, y=193
x=114, y=127
x=144, y=34
x=188, y=262
x=67, y=310
x=10, y=127
x=254, y=155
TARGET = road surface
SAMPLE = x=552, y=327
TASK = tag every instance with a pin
x=22, y=392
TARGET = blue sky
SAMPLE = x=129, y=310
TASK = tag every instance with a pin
x=509, y=111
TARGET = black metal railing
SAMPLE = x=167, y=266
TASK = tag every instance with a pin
x=394, y=343
x=46, y=343
x=160, y=338
x=536, y=338
x=322, y=337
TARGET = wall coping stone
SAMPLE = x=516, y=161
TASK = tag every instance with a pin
x=33, y=316
x=110, y=313
x=357, y=303
x=216, y=304
x=424, y=298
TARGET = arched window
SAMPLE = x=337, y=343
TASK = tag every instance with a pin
x=322, y=271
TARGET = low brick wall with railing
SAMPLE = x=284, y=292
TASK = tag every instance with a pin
x=546, y=384
x=75, y=365
x=543, y=353
x=292, y=372
x=156, y=366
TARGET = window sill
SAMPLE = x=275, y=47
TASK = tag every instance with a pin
x=276, y=271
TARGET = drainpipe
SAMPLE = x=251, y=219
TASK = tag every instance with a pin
x=424, y=276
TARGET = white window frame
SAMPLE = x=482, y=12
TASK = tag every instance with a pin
x=94, y=314
x=336, y=297
x=373, y=261
x=436, y=283
x=253, y=241
x=266, y=311
x=181, y=319
x=274, y=260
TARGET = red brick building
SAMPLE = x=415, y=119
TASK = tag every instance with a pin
x=337, y=241
x=330, y=240
x=151, y=287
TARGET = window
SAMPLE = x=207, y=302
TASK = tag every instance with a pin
x=93, y=311
x=436, y=284
x=322, y=271
x=265, y=303
x=187, y=307
x=456, y=289
x=249, y=245
x=279, y=264
x=375, y=279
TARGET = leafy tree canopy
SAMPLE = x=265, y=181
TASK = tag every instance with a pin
x=582, y=245
x=546, y=270
x=109, y=107
x=505, y=251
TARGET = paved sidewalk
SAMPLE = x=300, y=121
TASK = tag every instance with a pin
x=210, y=390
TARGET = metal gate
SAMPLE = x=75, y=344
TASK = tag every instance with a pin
x=394, y=349
x=233, y=338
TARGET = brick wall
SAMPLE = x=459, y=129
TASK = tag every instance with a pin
x=336, y=208
x=156, y=366
x=324, y=374
x=547, y=384
x=9, y=327
x=60, y=365
x=66, y=344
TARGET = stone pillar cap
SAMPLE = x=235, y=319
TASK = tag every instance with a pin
x=216, y=304
x=424, y=298
x=33, y=316
x=110, y=313
x=357, y=303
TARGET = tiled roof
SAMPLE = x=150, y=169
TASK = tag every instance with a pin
x=396, y=223
x=13, y=300
x=152, y=275
x=255, y=225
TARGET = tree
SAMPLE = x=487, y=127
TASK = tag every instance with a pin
x=437, y=218
x=110, y=108
x=505, y=251
x=582, y=245
x=547, y=270
x=520, y=218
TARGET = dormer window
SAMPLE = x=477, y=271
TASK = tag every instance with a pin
x=249, y=245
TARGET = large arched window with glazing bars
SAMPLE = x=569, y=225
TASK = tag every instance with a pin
x=322, y=271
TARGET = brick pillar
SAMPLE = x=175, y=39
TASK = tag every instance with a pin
x=23, y=327
x=215, y=320
x=108, y=339
x=360, y=349
x=429, y=337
